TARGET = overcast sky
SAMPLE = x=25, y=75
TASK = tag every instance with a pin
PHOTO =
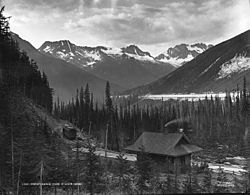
x=153, y=25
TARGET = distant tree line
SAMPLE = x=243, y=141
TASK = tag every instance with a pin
x=212, y=119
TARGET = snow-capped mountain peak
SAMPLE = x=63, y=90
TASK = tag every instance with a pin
x=135, y=50
x=182, y=53
x=49, y=47
x=87, y=57
x=64, y=49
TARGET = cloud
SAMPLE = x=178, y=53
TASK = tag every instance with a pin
x=144, y=22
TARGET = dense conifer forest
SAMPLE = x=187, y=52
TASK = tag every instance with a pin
x=31, y=153
x=212, y=120
x=24, y=142
x=214, y=123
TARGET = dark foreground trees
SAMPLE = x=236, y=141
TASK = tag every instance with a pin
x=93, y=172
x=21, y=85
x=27, y=145
x=124, y=172
x=144, y=172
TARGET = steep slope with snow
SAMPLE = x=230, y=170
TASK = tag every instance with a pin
x=217, y=69
x=88, y=56
x=128, y=67
x=182, y=53
x=64, y=77
x=236, y=65
x=65, y=50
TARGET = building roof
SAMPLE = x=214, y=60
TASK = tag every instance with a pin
x=171, y=144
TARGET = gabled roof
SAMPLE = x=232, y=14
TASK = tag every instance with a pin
x=163, y=144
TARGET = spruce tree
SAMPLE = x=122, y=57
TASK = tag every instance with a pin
x=221, y=186
x=108, y=99
x=123, y=171
x=93, y=171
x=144, y=171
x=207, y=181
x=238, y=187
x=192, y=185
x=87, y=106
x=167, y=186
x=188, y=185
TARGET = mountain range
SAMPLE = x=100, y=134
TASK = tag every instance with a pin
x=124, y=66
x=64, y=77
x=217, y=69
x=182, y=53
x=69, y=66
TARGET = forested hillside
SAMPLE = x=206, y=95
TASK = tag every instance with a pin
x=212, y=120
x=215, y=70
x=31, y=151
x=64, y=77
x=26, y=141
x=211, y=124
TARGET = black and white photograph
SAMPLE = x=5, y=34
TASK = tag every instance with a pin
x=124, y=97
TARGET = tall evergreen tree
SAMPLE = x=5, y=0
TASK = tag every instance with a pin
x=123, y=171
x=87, y=106
x=108, y=99
x=207, y=181
x=144, y=167
x=221, y=186
x=93, y=171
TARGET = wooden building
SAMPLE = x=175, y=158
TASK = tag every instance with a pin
x=171, y=151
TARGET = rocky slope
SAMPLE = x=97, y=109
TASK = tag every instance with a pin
x=182, y=53
x=124, y=66
x=217, y=69
x=64, y=77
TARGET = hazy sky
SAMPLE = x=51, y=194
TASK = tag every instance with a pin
x=153, y=25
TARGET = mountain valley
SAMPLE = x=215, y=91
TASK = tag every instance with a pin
x=218, y=69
